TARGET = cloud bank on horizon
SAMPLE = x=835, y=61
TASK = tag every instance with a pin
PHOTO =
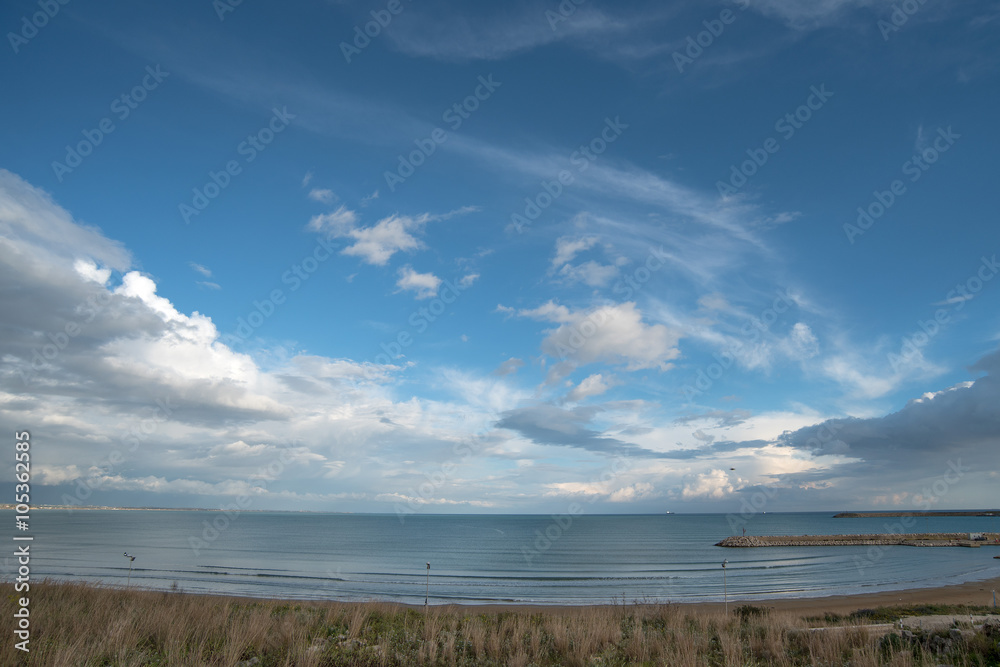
x=453, y=259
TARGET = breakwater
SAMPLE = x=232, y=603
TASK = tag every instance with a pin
x=890, y=539
x=869, y=515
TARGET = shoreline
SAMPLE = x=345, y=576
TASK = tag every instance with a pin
x=973, y=593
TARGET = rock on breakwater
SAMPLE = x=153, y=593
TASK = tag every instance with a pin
x=911, y=539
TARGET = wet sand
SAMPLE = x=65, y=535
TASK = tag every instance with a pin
x=978, y=593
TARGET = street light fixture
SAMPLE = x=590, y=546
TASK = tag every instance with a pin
x=427, y=589
x=725, y=588
x=130, y=559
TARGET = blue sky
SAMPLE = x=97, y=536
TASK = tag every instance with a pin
x=642, y=256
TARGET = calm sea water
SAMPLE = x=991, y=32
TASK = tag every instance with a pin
x=594, y=559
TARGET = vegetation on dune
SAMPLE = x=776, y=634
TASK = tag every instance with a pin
x=75, y=624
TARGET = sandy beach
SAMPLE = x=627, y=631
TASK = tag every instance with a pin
x=977, y=593
x=973, y=593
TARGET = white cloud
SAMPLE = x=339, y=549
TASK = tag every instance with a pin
x=801, y=343
x=810, y=15
x=453, y=35
x=713, y=301
x=55, y=474
x=567, y=248
x=340, y=418
x=377, y=244
x=549, y=311
x=467, y=280
x=424, y=284
x=509, y=367
x=339, y=223
x=239, y=448
x=593, y=385
x=851, y=372
x=631, y=493
x=87, y=269
x=322, y=195
x=960, y=298
x=191, y=417
x=613, y=334
x=868, y=374
x=200, y=269
x=589, y=273
x=714, y=484
x=30, y=220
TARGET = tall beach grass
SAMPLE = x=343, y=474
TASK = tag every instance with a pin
x=77, y=624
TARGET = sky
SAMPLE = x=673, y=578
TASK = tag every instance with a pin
x=530, y=257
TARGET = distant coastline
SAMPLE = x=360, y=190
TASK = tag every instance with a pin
x=9, y=506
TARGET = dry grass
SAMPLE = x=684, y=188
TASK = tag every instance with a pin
x=74, y=624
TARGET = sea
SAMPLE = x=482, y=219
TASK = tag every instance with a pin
x=474, y=559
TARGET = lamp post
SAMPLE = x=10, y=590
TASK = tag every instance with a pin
x=725, y=588
x=427, y=589
x=130, y=559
